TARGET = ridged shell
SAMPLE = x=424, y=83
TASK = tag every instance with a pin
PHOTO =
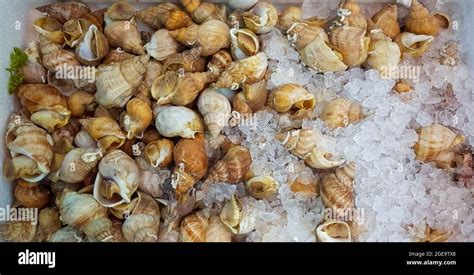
x=178, y=89
x=77, y=164
x=312, y=45
x=303, y=144
x=31, y=195
x=85, y=213
x=356, y=17
x=387, y=20
x=194, y=227
x=33, y=71
x=232, y=167
x=215, y=110
x=434, y=142
x=47, y=106
x=137, y=117
x=420, y=21
x=80, y=102
x=174, y=121
x=105, y=131
x=125, y=34
x=212, y=36
x=352, y=43
x=340, y=112
x=117, y=179
x=204, y=11
x=27, y=142
x=162, y=45
x=261, y=18
x=337, y=189
x=413, y=44
x=54, y=57
x=189, y=61
x=218, y=63
x=164, y=15
x=334, y=231
x=116, y=83
x=143, y=224
x=182, y=181
x=63, y=12
x=246, y=71
x=291, y=95
x=18, y=231
x=190, y=154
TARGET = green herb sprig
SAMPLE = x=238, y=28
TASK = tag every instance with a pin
x=17, y=59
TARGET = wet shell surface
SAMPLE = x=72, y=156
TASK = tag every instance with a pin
x=174, y=121
x=117, y=179
x=92, y=47
x=355, y=17
x=252, y=98
x=143, y=223
x=291, y=95
x=246, y=71
x=204, y=11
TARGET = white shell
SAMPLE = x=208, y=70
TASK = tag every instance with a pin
x=215, y=109
x=173, y=121
x=122, y=169
x=323, y=236
x=242, y=4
